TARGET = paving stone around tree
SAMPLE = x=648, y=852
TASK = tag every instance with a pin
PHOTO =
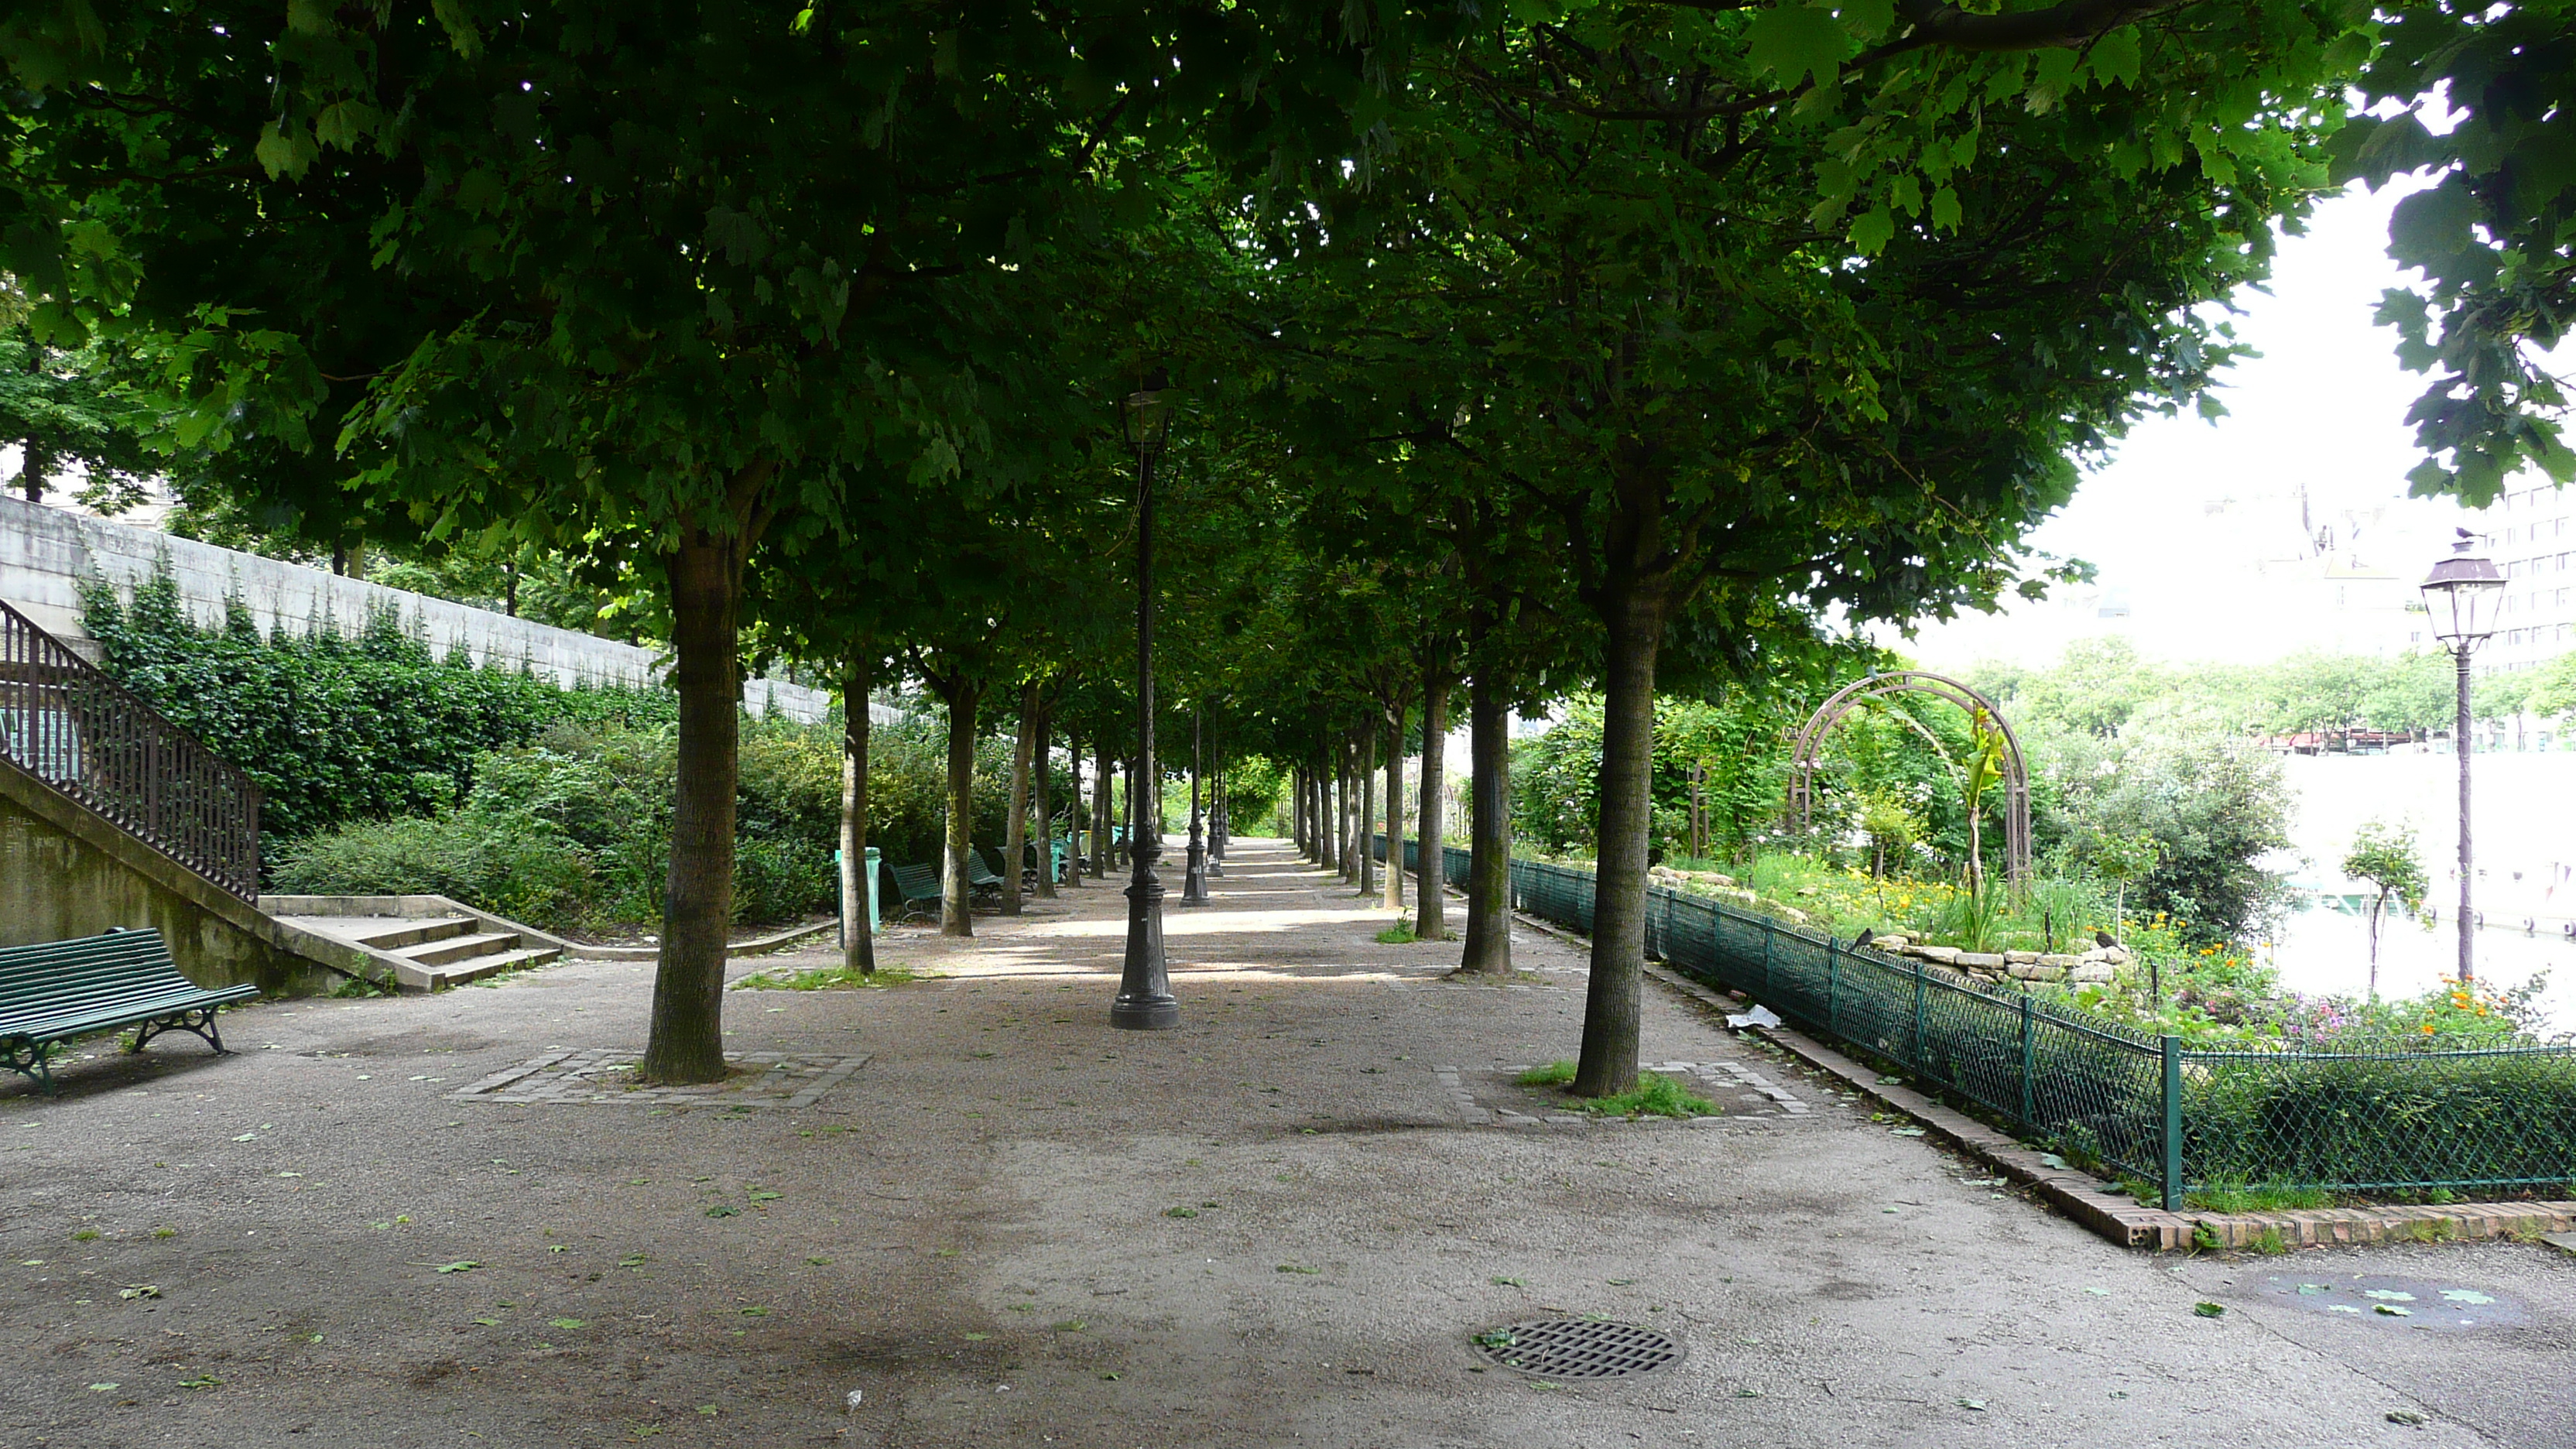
x=978, y=1216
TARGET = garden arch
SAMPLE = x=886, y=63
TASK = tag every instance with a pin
x=1811, y=740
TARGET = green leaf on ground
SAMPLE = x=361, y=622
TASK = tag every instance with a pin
x=461, y=1265
x=1506, y=1282
x=724, y=1210
x=1295, y=1268
x=566, y=1323
x=2209, y=1310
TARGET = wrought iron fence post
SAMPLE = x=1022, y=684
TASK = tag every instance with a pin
x=2173, y=1123
x=1833, y=982
x=1918, y=1016
x=2029, y=1064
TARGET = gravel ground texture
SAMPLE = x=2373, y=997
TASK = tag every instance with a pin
x=963, y=1211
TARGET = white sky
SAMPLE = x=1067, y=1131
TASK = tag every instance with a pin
x=2195, y=525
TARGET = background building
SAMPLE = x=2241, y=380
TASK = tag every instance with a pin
x=2532, y=537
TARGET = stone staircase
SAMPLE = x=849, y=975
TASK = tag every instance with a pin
x=417, y=943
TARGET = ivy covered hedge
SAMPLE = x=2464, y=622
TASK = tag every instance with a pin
x=572, y=833
x=389, y=770
x=337, y=729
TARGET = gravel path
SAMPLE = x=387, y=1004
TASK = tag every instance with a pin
x=964, y=1212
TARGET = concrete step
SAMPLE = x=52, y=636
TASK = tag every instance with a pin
x=396, y=933
x=449, y=949
x=476, y=967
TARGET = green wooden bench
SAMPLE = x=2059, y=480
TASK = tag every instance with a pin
x=57, y=990
x=916, y=883
x=980, y=876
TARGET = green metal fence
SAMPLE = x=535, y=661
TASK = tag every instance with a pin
x=2134, y=1105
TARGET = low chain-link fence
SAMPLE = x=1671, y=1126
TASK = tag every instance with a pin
x=2124, y=1103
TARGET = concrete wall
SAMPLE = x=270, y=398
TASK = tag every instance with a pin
x=64, y=872
x=46, y=554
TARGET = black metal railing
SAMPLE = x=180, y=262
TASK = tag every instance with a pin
x=65, y=722
x=2147, y=1108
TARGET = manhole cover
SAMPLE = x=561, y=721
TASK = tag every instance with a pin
x=1578, y=1348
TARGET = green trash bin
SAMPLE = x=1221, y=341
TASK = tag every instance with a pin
x=875, y=921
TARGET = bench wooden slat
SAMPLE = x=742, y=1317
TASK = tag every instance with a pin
x=76, y=1019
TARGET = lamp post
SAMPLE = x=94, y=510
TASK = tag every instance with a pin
x=1145, y=1001
x=2461, y=595
x=1194, y=878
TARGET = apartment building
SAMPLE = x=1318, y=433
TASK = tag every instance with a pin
x=2534, y=542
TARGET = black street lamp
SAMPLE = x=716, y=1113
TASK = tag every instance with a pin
x=2461, y=594
x=1145, y=1001
x=1194, y=878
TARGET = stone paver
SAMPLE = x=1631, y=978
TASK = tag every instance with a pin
x=1013, y=1226
x=603, y=1075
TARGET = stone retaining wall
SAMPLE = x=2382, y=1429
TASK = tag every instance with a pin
x=46, y=554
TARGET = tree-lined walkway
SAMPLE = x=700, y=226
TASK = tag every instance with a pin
x=1011, y=1225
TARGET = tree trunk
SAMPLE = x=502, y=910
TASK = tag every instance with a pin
x=1431, y=904
x=1367, y=748
x=1328, y=819
x=1634, y=617
x=1043, y=827
x=1352, y=767
x=1489, y=828
x=956, y=897
x=34, y=463
x=1343, y=816
x=686, y=1040
x=1394, y=900
x=1100, y=805
x=1346, y=816
x=1015, y=830
x=859, y=944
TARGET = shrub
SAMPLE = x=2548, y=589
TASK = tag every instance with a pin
x=574, y=831
x=511, y=863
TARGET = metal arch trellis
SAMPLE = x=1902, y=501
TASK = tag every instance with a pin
x=1811, y=739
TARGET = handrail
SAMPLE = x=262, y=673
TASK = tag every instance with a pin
x=64, y=721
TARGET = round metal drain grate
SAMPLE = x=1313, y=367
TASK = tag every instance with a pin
x=1578, y=1348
